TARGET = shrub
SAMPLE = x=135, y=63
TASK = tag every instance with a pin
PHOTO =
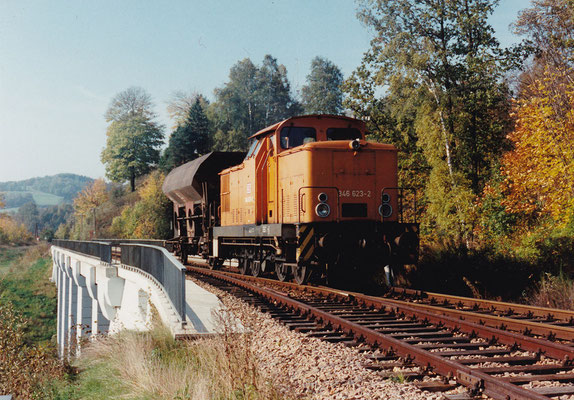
x=556, y=291
x=12, y=232
x=148, y=217
x=23, y=367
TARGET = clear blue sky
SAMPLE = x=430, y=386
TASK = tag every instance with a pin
x=62, y=61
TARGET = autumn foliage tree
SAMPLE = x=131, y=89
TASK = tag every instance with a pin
x=146, y=219
x=432, y=84
x=540, y=170
x=89, y=199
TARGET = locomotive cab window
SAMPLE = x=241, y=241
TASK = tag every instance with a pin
x=343, y=134
x=253, y=148
x=293, y=136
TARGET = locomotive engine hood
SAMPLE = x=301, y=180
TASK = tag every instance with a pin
x=186, y=182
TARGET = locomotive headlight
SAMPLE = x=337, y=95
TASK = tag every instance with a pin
x=323, y=197
x=323, y=210
x=385, y=210
x=386, y=197
x=355, y=144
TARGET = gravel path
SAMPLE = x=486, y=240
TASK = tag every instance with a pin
x=308, y=368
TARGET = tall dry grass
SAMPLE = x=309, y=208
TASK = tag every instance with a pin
x=154, y=365
x=556, y=291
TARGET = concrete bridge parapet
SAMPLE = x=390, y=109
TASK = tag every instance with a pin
x=95, y=297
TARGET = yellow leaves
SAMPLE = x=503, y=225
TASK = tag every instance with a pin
x=540, y=170
x=12, y=232
x=146, y=218
x=91, y=197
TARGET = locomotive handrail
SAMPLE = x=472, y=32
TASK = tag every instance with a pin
x=400, y=190
x=259, y=168
x=317, y=187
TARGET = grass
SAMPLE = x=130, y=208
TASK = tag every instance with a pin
x=8, y=255
x=40, y=198
x=24, y=282
x=153, y=365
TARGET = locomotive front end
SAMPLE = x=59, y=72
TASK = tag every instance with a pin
x=351, y=212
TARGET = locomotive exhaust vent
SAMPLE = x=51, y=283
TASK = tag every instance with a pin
x=356, y=210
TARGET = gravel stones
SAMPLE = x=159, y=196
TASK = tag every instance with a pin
x=308, y=368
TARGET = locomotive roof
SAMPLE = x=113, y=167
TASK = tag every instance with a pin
x=318, y=116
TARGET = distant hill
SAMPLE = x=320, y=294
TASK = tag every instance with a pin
x=44, y=191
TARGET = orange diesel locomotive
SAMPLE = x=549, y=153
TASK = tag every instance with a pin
x=311, y=195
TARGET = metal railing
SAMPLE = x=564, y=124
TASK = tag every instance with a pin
x=168, y=245
x=102, y=250
x=154, y=260
x=163, y=266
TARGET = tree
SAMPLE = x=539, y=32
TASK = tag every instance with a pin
x=132, y=102
x=2, y=204
x=148, y=218
x=540, y=170
x=133, y=138
x=28, y=215
x=89, y=199
x=254, y=98
x=52, y=217
x=180, y=104
x=549, y=25
x=274, y=92
x=190, y=140
x=433, y=78
x=323, y=93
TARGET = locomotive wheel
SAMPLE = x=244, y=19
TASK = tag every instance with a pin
x=301, y=274
x=256, y=269
x=244, y=265
x=281, y=271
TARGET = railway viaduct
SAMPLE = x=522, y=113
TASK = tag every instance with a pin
x=100, y=294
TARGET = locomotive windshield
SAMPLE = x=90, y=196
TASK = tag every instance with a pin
x=293, y=136
x=343, y=134
x=253, y=148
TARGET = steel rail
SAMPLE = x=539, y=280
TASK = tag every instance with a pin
x=498, y=322
x=470, y=323
x=460, y=319
x=545, y=312
x=551, y=349
x=470, y=377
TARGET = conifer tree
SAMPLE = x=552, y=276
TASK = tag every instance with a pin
x=189, y=140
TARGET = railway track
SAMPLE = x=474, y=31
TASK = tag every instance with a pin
x=552, y=324
x=496, y=355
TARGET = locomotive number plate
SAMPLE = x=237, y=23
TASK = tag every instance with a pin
x=354, y=193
